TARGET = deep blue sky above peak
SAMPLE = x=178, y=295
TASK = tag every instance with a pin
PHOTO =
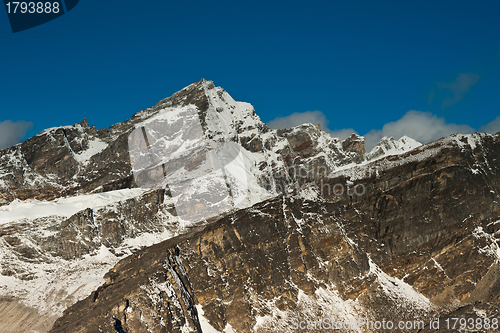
x=358, y=65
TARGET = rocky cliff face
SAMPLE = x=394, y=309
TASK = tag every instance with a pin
x=419, y=244
x=70, y=209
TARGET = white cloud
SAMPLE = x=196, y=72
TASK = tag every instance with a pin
x=454, y=91
x=12, y=133
x=342, y=134
x=421, y=126
x=299, y=118
x=491, y=127
x=313, y=117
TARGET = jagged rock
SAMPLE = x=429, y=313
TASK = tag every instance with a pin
x=404, y=231
x=354, y=143
x=402, y=251
x=78, y=159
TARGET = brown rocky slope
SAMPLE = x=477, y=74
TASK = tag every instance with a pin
x=51, y=257
x=420, y=243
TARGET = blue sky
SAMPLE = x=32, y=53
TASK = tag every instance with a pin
x=360, y=64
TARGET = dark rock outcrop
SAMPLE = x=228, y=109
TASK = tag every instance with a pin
x=426, y=220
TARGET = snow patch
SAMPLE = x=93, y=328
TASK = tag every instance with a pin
x=66, y=207
x=95, y=147
x=399, y=291
x=324, y=303
x=205, y=324
x=389, y=146
x=60, y=283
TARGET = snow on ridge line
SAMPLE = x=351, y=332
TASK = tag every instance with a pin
x=96, y=145
x=376, y=165
x=395, y=147
x=66, y=207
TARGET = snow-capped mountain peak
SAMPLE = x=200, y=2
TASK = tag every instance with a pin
x=388, y=146
x=51, y=185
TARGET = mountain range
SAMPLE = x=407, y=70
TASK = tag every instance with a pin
x=194, y=216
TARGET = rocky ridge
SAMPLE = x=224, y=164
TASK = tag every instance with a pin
x=80, y=159
x=80, y=162
x=420, y=244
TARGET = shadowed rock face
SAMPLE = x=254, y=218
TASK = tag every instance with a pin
x=429, y=219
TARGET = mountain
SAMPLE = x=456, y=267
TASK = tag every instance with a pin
x=420, y=244
x=253, y=228
x=79, y=159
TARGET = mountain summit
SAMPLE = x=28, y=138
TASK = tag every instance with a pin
x=80, y=159
x=194, y=216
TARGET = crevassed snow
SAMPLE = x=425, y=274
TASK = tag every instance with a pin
x=31, y=209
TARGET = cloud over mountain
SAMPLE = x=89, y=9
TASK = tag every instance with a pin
x=450, y=93
x=491, y=127
x=313, y=117
x=421, y=126
x=12, y=133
